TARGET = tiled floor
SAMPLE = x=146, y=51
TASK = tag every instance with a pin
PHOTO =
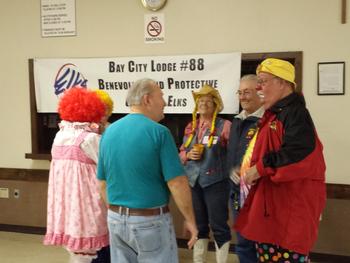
x=26, y=248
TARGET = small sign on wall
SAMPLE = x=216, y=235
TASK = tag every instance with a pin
x=58, y=18
x=154, y=28
x=331, y=78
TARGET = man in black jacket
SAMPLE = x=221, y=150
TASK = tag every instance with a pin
x=242, y=130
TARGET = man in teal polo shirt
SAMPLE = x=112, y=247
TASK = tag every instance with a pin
x=138, y=168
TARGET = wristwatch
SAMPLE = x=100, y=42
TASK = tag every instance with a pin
x=153, y=5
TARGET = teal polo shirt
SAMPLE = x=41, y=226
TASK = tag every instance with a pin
x=137, y=157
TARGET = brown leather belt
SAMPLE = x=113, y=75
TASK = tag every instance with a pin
x=139, y=211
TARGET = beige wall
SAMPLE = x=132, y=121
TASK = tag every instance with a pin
x=115, y=28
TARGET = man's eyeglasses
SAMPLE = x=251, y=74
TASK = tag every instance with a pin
x=244, y=93
x=262, y=82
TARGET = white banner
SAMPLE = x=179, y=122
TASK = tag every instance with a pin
x=178, y=76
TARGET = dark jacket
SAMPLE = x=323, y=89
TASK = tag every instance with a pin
x=242, y=131
x=284, y=207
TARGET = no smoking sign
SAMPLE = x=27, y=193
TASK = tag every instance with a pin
x=154, y=28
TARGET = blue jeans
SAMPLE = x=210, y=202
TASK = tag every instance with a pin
x=210, y=206
x=245, y=249
x=143, y=239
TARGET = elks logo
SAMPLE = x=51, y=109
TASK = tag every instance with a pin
x=273, y=125
x=67, y=77
x=251, y=133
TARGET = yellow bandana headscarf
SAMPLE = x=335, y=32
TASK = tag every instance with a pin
x=278, y=67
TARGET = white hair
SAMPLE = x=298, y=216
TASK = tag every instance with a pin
x=139, y=88
x=250, y=77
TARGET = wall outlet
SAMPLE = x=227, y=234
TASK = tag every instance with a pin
x=4, y=192
x=16, y=193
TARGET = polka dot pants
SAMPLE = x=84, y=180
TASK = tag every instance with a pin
x=272, y=253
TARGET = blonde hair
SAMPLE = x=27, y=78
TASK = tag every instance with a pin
x=194, y=125
x=107, y=101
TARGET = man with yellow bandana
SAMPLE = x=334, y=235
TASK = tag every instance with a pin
x=287, y=172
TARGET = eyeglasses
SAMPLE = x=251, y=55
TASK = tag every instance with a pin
x=244, y=93
x=262, y=82
x=207, y=102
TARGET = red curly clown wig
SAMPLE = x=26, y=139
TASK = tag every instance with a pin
x=81, y=105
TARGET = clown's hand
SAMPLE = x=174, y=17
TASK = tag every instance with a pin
x=251, y=176
x=235, y=176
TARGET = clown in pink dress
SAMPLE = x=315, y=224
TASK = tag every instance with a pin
x=76, y=211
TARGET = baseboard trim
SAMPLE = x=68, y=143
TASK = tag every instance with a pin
x=23, y=229
x=18, y=174
x=315, y=257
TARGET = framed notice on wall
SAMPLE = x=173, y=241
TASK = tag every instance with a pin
x=58, y=18
x=331, y=78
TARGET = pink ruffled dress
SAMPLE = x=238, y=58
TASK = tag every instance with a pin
x=76, y=213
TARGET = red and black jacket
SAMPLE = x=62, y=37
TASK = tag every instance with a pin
x=284, y=207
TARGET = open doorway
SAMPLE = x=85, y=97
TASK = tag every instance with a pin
x=250, y=61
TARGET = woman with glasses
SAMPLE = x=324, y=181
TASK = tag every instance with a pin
x=203, y=154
